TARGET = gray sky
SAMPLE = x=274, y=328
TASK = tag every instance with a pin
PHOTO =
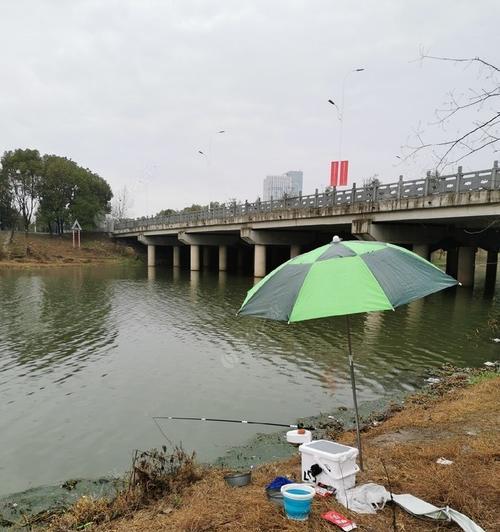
x=132, y=89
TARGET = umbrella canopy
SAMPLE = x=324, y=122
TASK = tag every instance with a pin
x=344, y=278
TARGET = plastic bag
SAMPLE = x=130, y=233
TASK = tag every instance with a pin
x=364, y=499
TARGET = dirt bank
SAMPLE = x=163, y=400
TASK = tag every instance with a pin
x=458, y=419
x=39, y=250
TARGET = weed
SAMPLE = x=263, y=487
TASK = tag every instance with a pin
x=483, y=376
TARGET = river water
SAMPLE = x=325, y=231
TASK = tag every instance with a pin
x=88, y=355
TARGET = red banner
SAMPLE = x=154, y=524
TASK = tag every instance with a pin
x=344, y=169
x=334, y=174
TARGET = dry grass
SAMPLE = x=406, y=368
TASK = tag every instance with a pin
x=46, y=250
x=155, y=474
x=457, y=421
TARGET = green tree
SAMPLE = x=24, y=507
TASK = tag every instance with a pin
x=7, y=213
x=70, y=192
x=193, y=208
x=92, y=199
x=57, y=191
x=166, y=212
x=21, y=175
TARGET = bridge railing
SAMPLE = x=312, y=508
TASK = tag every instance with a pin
x=429, y=185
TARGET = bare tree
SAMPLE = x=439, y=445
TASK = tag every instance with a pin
x=372, y=181
x=479, y=107
x=122, y=203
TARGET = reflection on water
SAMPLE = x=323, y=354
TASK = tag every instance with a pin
x=54, y=319
x=88, y=355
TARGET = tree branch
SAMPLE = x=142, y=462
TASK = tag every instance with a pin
x=461, y=60
x=480, y=134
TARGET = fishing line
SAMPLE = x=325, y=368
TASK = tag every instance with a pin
x=163, y=434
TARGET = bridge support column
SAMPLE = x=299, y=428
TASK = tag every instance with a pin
x=422, y=250
x=262, y=238
x=491, y=270
x=195, y=257
x=452, y=262
x=176, y=254
x=259, y=264
x=466, y=265
x=195, y=240
x=222, y=258
x=151, y=255
x=205, y=257
x=294, y=250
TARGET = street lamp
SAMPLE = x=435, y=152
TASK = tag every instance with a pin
x=336, y=107
x=220, y=132
x=340, y=111
x=209, y=152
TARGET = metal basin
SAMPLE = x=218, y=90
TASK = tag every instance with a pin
x=275, y=496
x=239, y=479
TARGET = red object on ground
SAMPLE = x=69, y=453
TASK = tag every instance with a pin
x=344, y=169
x=324, y=491
x=339, y=520
x=334, y=174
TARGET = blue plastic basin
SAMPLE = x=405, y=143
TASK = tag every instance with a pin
x=297, y=499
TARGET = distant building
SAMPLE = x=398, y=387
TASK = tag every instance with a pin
x=277, y=186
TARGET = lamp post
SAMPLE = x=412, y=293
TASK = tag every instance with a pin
x=208, y=155
x=340, y=111
x=220, y=132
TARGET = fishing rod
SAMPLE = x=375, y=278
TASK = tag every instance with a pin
x=243, y=421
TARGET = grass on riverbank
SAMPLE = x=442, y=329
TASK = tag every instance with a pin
x=38, y=250
x=457, y=419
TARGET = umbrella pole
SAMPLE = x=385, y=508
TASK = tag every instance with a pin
x=353, y=384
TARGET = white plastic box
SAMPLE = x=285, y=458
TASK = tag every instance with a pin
x=330, y=463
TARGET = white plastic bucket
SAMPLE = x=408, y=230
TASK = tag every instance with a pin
x=330, y=463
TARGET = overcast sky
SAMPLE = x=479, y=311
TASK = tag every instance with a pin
x=133, y=89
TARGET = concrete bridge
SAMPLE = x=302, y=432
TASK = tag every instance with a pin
x=456, y=213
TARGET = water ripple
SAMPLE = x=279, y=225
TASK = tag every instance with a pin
x=104, y=348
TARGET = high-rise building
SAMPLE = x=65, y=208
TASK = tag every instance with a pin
x=277, y=186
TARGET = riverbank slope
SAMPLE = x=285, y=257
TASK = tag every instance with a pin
x=457, y=418
x=39, y=250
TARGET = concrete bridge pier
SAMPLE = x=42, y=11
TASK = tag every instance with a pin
x=294, y=250
x=259, y=263
x=491, y=270
x=151, y=255
x=151, y=242
x=466, y=265
x=176, y=256
x=194, y=258
x=195, y=240
x=262, y=238
x=222, y=258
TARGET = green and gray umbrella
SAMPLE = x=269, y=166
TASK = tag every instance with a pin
x=343, y=278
